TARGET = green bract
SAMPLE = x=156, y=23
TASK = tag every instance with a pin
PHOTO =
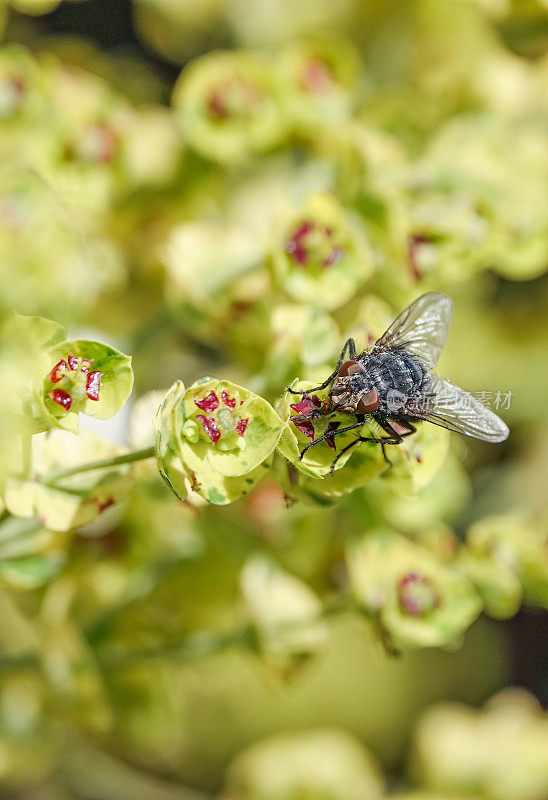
x=67, y=377
x=320, y=255
x=77, y=499
x=418, y=601
x=229, y=106
x=215, y=437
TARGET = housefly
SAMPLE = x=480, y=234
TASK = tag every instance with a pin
x=393, y=383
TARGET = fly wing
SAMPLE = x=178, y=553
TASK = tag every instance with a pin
x=447, y=405
x=422, y=328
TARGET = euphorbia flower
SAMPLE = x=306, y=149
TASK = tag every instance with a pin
x=229, y=106
x=69, y=377
x=321, y=255
x=216, y=435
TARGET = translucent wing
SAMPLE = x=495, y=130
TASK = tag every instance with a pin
x=422, y=328
x=447, y=405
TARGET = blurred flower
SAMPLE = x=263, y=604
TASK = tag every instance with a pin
x=320, y=255
x=324, y=764
x=496, y=753
x=419, y=602
x=286, y=615
x=229, y=106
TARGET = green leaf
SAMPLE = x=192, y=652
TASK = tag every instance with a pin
x=36, y=334
x=219, y=489
x=499, y=587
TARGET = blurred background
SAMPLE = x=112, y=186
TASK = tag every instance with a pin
x=162, y=161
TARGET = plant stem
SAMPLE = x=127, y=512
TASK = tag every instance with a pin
x=193, y=645
x=126, y=458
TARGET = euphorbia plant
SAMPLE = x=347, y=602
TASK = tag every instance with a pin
x=216, y=440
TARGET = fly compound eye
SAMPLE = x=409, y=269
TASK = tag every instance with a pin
x=369, y=402
x=350, y=368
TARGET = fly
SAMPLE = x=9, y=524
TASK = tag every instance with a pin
x=393, y=382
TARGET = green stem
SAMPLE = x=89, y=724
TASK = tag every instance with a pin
x=126, y=458
x=193, y=645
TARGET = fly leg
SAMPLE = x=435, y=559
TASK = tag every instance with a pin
x=344, y=450
x=383, y=441
x=351, y=345
x=393, y=436
x=330, y=435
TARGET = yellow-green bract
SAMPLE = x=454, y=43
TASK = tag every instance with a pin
x=59, y=379
x=215, y=438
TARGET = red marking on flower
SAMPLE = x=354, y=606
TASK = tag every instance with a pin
x=210, y=427
x=106, y=141
x=329, y=438
x=208, y=403
x=61, y=397
x=72, y=362
x=416, y=594
x=97, y=144
x=228, y=400
x=296, y=246
x=317, y=76
x=304, y=427
x=12, y=87
x=418, y=459
x=241, y=425
x=216, y=104
x=57, y=372
x=334, y=257
x=93, y=385
x=413, y=247
x=102, y=505
x=304, y=406
x=234, y=96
